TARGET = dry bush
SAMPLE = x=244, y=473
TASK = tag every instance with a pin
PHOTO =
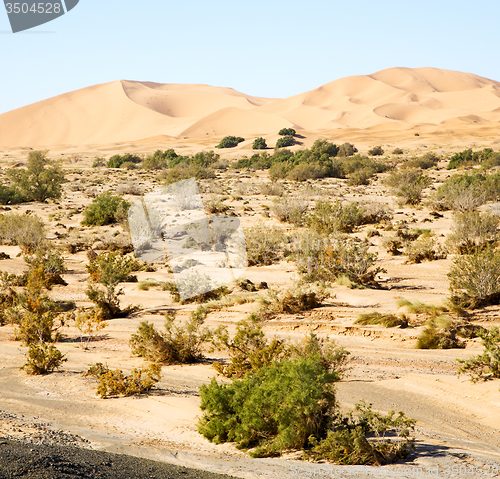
x=89, y=323
x=266, y=245
x=290, y=210
x=439, y=333
x=408, y=185
x=23, y=230
x=472, y=231
x=429, y=160
x=386, y=320
x=114, y=383
x=425, y=248
x=291, y=301
x=214, y=205
x=177, y=345
x=43, y=358
x=129, y=189
x=270, y=189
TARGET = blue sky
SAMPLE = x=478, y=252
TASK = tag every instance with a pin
x=273, y=49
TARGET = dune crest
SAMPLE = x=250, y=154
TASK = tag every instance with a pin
x=125, y=111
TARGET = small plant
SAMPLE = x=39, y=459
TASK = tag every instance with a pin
x=265, y=245
x=177, y=345
x=397, y=151
x=408, y=185
x=376, y=151
x=89, y=323
x=429, y=160
x=43, y=358
x=424, y=248
x=115, y=383
x=487, y=365
x=98, y=162
x=106, y=209
x=230, y=142
x=475, y=279
x=259, y=144
x=108, y=270
x=347, y=149
x=386, y=320
x=292, y=301
x=439, y=333
x=118, y=161
x=335, y=217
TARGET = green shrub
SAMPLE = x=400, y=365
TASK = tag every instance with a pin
x=475, y=279
x=177, y=345
x=468, y=157
x=386, y=320
x=397, y=151
x=287, y=132
x=118, y=161
x=50, y=261
x=108, y=270
x=360, y=177
x=285, y=141
x=105, y=209
x=43, y=358
x=259, y=144
x=408, y=185
x=23, y=230
x=114, y=383
x=160, y=160
x=230, y=142
x=10, y=195
x=98, y=162
x=462, y=193
x=307, y=171
x=473, y=231
x=487, y=365
x=376, y=151
x=365, y=437
x=41, y=180
x=277, y=408
x=184, y=171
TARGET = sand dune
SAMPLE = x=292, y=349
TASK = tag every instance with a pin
x=130, y=111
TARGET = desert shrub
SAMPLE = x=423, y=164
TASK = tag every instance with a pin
x=118, y=161
x=160, y=160
x=192, y=284
x=50, y=262
x=307, y=171
x=10, y=195
x=347, y=149
x=230, y=142
x=249, y=350
x=291, y=301
x=393, y=244
x=265, y=245
x=487, y=365
x=270, y=189
x=360, y=177
x=468, y=157
x=23, y=230
x=129, y=189
x=285, y=141
x=287, y=132
x=43, y=358
x=325, y=258
x=365, y=437
x=290, y=210
x=387, y=320
x=177, y=345
x=429, y=160
x=335, y=217
x=439, y=333
x=184, y=171
x=108, y=270
x=214, y=205
x=259, y=144
x=397, y=151
x=462, y=193
x=376, y=151
x=105, y=209
x=475, y=278
x=89, y=323
x=41, y=180
x=408, y=185
x=115, y=383
x=277, y=408
x=472, y=231
x=425, y=248
x=98, y=162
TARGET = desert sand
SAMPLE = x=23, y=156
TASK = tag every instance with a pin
x=458, y=423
